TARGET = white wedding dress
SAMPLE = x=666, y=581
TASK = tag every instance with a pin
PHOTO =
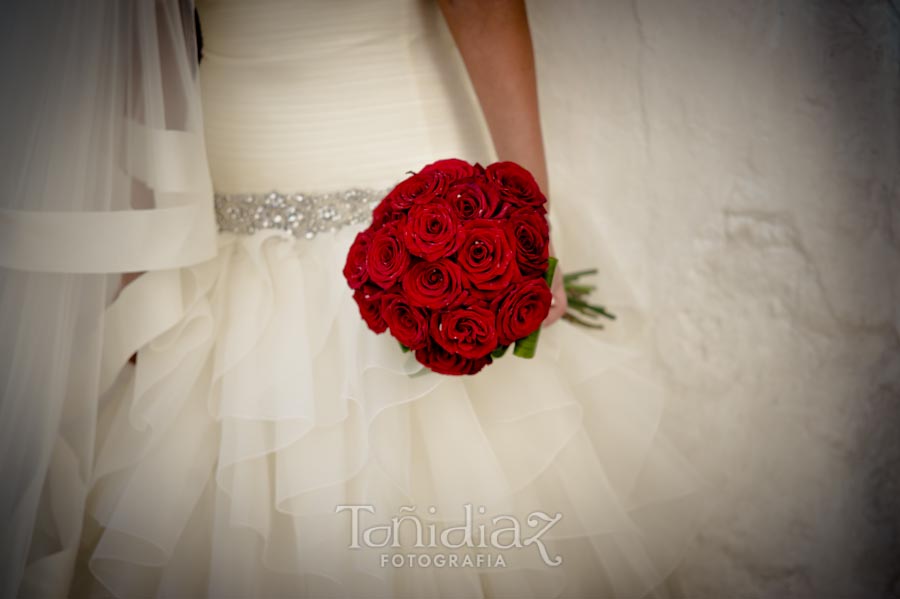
x=259, y=402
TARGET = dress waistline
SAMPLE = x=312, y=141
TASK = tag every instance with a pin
x=301, y=214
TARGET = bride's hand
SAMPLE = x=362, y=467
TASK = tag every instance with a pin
x=560, y=301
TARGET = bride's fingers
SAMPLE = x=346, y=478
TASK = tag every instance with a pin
x=555, y=314
x=560, y=303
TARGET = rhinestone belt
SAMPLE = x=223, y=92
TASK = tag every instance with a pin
x=301, y=214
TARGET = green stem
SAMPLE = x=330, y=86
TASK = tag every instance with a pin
x=577, y=303
x=578, y=290
x=571, y=276
x=572, y=318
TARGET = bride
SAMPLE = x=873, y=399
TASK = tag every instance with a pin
x=223, y=423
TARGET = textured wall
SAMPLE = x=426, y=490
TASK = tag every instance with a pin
x=745, y=154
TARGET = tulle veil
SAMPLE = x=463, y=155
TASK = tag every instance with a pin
x=103, y=172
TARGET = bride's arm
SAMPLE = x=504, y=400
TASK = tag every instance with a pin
x=495, y=43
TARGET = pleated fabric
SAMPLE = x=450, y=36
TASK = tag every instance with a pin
x=315, y=96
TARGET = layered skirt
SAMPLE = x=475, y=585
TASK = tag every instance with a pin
x=266, y=443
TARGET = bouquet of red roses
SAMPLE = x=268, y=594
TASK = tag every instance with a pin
x=456, y=264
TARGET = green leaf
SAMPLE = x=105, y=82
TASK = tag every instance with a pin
x=424, y=371
x=527, y=346
x=551, y=270
x=498, y=353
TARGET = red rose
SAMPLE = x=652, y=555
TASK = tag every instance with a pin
x=355, y=270
x=409, y=325
x=468, y=331
x=515, y=184
x=441, y=361
x=368, y=299
x=452, y=168
x=385, y=213
x=433, y=285
x=387, y=258
x=419, y=188
x=472, y=198
x=452, y=264
x=521, y=311
x=486, y=255
x=532, y=240
x=431, y=231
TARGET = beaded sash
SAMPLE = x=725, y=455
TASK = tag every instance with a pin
x=301, y=214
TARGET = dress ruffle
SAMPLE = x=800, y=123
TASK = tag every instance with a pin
x=259, y=402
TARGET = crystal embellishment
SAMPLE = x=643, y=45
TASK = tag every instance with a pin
x=301, y=214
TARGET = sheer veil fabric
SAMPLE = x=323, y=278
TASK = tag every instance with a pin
x=259, y=401
x=103, y=171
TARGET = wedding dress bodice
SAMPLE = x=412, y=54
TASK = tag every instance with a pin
x=321, y=95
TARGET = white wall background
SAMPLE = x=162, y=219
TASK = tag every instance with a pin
x=746, y=156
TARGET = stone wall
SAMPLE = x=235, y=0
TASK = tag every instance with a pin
x=745, y=158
